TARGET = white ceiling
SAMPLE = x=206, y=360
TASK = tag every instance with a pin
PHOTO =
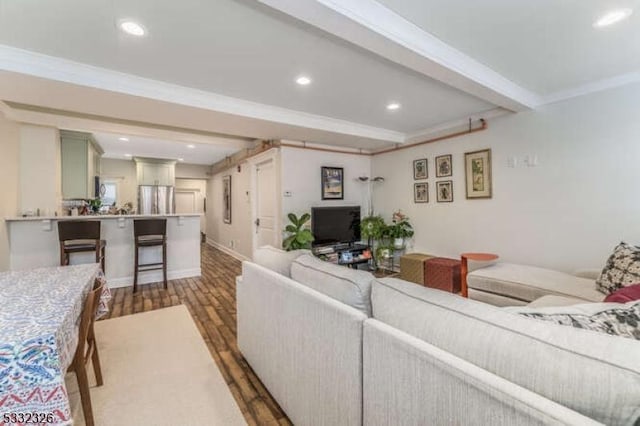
x=228, y=66
x=543, y=45
x=239, y=49
x=137, y=146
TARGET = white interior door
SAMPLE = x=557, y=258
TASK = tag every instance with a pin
x=185, y=202
x=266, y=205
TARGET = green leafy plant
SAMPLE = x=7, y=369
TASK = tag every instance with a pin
x=400, y=230
x=373, y=227
x=300, y=237
x=95, y=204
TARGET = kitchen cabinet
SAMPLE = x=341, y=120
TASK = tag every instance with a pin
x=156, y=172
x=80, y=156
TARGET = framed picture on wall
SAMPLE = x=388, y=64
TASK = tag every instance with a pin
x=332, y=183
x=444, y=191
x=226, y=199
x=421, y=192
x=477, y=171
x=420, y=170
x=444, y=167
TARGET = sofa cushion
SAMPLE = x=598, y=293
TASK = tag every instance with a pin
x=552, y=300
x=529, y=283
x=624, y=295
x=611, y=318
x=276, y=259
x=595, y=374
x=622, y=269
x=349, y=286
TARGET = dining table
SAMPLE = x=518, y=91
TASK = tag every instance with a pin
x=40, y=312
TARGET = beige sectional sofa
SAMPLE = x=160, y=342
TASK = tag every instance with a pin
x=381, y=352
x=509, y=284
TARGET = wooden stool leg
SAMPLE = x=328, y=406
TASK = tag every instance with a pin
x=85, y=394
x=135, y=272
x=164, y=264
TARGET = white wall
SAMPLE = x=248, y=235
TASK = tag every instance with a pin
x=192, y=171
x=123, y=172
x=236, y=236
x=9, y=177
x=301, y=176
x=566, y=213
x=40, y=170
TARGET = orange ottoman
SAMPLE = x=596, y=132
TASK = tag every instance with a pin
x=443, y=274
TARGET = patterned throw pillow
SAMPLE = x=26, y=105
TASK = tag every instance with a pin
x=621, y=270
x=621, y=321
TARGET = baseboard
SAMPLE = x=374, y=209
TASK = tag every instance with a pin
x=227, y=250
x=153, y=277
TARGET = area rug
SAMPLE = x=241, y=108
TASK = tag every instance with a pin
x=157, y=370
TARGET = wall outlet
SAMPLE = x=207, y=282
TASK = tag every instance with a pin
x=287, y=193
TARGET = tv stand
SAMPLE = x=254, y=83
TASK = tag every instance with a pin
x=347, y=254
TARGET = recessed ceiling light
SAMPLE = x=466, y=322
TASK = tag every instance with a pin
x=128, y=155
x=303, y=80
x=393, y=106
x=133, y=28
x=190, y=146
x=612, y=17
x=123, y=139
x=180, y=159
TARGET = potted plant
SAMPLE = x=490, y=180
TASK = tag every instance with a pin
x=300, y=237
x=372, y=228
x=400, y=229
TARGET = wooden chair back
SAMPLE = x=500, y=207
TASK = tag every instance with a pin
x=69, y=230
x=147, y=227
x=87, y=319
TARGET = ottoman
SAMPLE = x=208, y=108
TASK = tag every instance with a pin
x=412, y=267
x=443, y=274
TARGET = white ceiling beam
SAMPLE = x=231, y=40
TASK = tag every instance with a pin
x=370, y=25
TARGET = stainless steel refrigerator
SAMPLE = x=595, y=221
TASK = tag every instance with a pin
x=153, y=199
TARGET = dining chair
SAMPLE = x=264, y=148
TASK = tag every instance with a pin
x=87, y=350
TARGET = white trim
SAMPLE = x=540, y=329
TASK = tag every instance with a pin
x=153, y=277
x=227, y=250
x=58, y=69
x=594, y=86
x=363, y=22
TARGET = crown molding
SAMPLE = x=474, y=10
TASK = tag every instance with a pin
x=372, y=26
x=593, y=87
x=58, y=69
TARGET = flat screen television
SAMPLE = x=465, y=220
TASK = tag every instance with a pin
x=332, y=225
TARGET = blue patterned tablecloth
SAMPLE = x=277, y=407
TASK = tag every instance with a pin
x=39, y=321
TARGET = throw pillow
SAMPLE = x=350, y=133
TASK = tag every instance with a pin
x=618, y=320
x=624, y=295
x=622, y=269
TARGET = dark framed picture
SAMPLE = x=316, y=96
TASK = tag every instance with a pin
x=421, y=192
x=332, y=183
x=477, y=165
x=226, y=199
x=420, y=170
x=444, y=167
x=444, y=191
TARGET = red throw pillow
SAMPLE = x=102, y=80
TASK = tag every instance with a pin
x=625, y=294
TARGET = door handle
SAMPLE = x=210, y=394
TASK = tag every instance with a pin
x=257, y=222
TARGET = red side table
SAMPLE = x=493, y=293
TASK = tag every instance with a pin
x=464, y=269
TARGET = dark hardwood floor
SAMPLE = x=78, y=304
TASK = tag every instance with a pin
x=211, y=299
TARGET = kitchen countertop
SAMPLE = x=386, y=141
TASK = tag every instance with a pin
x=98, y=216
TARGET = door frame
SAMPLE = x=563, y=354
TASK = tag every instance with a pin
x=254, y=162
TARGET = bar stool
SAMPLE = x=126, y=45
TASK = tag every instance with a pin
x=150, y=233
x=80, y=236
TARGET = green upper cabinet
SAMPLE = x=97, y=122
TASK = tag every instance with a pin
x=80, y=164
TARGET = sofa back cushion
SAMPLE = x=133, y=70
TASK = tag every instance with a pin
x=592, y=373
x=276, y=259
x=349, y=286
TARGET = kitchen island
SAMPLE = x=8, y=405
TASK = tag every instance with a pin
x=33, y=243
